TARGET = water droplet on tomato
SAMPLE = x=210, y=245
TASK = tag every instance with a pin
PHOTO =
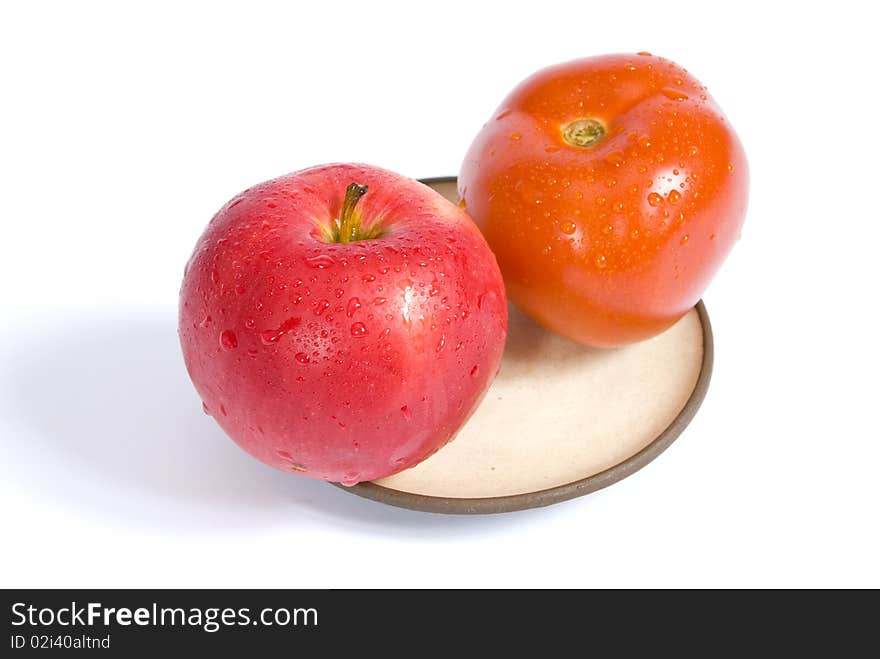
x=684, y=240
x=228, y=339
x=712, y=236
x=568, y=228
x=674, y=196
x=615, y=159
x=302, y=358
x=441, y=343
x=674, y=94
x=358, y=330
x=601, y=261
x=655, y=199
x=353, y=305
x=515, y=136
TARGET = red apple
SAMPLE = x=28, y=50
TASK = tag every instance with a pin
x=342, y=322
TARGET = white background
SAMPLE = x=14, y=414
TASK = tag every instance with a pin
x=123, y=130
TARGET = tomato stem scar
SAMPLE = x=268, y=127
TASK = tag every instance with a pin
x=583, y=132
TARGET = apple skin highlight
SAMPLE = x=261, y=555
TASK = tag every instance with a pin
x=341, y=361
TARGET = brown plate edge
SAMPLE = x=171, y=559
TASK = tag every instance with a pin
x=514, y=502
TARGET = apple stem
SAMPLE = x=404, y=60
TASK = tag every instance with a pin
x=349, y=221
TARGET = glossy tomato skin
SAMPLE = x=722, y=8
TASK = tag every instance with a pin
x=611, y=243
x=342, y=362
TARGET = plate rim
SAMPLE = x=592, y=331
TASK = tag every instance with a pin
x=567, y=491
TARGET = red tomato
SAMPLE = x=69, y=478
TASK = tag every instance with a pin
x=610, y=189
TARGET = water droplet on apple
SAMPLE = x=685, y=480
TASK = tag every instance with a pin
x=320, y=261
x=353, y=305
x=358, y=330
x=228, y=339
x=351, y=479
x=205, y=408
x=272, y=336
